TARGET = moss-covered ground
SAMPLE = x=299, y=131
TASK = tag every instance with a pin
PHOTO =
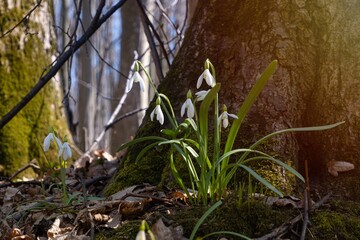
x=333, y=220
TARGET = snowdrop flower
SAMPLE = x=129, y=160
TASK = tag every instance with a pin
x=158, y=112
x=141, y=235
x=224, y=117
x=201, y=95
x=65, y=151
x=136, y=77
x=48, y=139
x=188, y=104
x=210, y=80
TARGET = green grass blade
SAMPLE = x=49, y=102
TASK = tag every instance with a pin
x=262, y=180
x=204, y=118
x=191, y=150
x=302, y=129
x=138, y=140
x=145, y=150
x=249, y=101
x=226, y=233
x=176, y=141
x=282, y=164
x=203, y=217
x=177, y=175
x=192, y=123
x=188, y=161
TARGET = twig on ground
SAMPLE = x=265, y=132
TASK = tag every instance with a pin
x=30, y=164
x=285, y=226
x=306, y=216
x=307, y=202
x=16, y=184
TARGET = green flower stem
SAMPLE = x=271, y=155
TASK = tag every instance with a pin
x=171, y=116
x=63, y=178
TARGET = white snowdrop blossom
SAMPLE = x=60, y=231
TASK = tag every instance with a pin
x=159, y=114
x=188, y=104
x=136, y=77
x=201, y=95
x=224, y=117
x=141, y=235
x=210, y=80
x=48, y=139
x=65, y=151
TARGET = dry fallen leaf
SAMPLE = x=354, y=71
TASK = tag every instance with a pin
x=339, y=166
x=162, y=232
x=102, y=154
x=58, y=233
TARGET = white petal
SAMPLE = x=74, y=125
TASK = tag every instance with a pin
x=141, y=235
x=232, y=115
x=136, y=77
x=190, y=109
x=47, y=141
x=67, y=151
x=201, y=95
x=209, y=78
x=160, y=115
x=219, y=119
x=183, y=107
x=58, y=142
x=152, y=114
x=129, y=84
x=61, y=149
x=225, y=122
x=199, y=81
x=142, y=84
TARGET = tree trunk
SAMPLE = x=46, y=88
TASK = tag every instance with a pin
x=126, y=129
x=24, y=54
x=315, y=84
x=86, y=85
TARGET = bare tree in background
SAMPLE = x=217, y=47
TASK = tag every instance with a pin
x=100, y=71
x=129, y=42
x=88, y=78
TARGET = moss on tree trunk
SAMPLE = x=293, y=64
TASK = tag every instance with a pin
x=23, y=58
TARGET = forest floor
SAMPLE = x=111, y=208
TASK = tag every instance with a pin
x=36, y=209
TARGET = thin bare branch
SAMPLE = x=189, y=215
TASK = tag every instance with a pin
x=25, y=19
x=149, y=28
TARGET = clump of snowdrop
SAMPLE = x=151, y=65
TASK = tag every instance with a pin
x=210, y=173
x=64, y=153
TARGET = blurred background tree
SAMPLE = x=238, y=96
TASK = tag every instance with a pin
x=24, y=54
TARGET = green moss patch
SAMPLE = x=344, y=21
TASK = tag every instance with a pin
x=341, y=221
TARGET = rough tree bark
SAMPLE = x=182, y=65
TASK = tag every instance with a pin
x=315, y=84
x=24, y=53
